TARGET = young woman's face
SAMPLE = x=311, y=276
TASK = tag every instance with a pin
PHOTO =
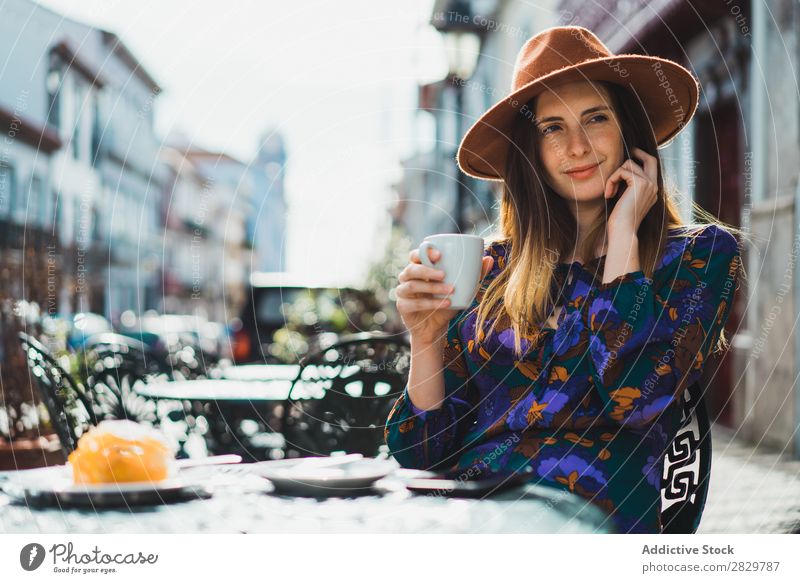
x=577, y=127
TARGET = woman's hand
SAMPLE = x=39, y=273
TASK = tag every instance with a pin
x=640, y=194
x=426, y=317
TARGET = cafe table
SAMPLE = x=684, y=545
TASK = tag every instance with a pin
x=217, y=390
x=259, y=372
x=241, y=501
x=244, y=401
x=230, y=407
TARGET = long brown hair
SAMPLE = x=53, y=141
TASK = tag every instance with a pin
x=540, y=228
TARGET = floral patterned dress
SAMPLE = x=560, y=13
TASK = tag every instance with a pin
x=593, y=405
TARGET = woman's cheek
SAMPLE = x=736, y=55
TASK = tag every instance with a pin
x=551, y=164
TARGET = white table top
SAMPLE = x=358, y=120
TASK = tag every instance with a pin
x=261, y=372
x=245, y=503
x=220, y=390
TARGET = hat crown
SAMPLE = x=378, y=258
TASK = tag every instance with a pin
x=554, y=49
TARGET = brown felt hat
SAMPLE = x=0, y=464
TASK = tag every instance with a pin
x=667, y=91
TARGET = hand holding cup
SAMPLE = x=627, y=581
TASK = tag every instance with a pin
x=425, y=292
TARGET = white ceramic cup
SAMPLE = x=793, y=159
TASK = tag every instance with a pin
x=461, y=260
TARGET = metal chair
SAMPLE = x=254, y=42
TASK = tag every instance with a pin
x=687, y=467
x=116, y=364
x=71, y=409
x=343, y=393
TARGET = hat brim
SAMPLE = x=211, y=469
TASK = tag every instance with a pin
x=668, y=92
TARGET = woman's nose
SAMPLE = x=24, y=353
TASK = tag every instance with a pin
x=578, y=143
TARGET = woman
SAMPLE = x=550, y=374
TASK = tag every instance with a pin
x=597, y=306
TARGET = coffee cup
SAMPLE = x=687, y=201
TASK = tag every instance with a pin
x=461, y=259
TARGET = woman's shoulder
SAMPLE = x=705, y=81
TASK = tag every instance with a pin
x=700, y=240
x=714, y=237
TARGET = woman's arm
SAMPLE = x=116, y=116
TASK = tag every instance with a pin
x=425, y=377
x=623, y=253
x=649, y=340
x=429, y=420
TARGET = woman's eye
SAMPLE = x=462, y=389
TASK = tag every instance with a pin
x=545, y=131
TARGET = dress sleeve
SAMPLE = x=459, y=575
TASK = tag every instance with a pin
x=428, y=439
x=649, y=339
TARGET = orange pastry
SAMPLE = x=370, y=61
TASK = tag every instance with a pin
x=121, y=451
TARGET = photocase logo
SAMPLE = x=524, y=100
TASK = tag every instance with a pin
x=31, y=556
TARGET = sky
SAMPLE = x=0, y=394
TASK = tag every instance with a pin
x=337, y=79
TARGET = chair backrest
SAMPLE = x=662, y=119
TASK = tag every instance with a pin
x=343, y=393
x=687, y=467
x=116, y=363
x=130, y=353
x=71, y=409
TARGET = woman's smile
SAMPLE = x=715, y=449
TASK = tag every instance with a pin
x=583, y=172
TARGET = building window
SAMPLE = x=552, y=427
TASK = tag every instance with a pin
x=96, y=134
x=55, y=215
x=19, y=203
x=77, y=129
x=79, y=237
x=7, y=189
x=36, y=202
x=30, y=207
x=95, y=225
x=54, y=82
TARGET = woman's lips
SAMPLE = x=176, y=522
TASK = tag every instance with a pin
x=584, y=173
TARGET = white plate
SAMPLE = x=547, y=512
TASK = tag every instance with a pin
x=356, y=476
x=54, y=486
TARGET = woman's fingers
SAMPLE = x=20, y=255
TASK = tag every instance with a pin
x=632, y=173
x=636, y=169
x=419, y=271
x=410, y=288
x=649, y=162
x=433, y=255
x=488, y=262
x=622, y=174
x=418, y=283
x=407, y=305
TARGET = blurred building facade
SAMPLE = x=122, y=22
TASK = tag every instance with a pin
x=267, y=225
x=222, y=219
x=132, y=177
x=187, y=237
x=131, y=223
x=736, y=159
x=82, y=170
x=43, y=166
x=226, y=203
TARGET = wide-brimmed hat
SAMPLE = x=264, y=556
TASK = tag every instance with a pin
x=668, y=92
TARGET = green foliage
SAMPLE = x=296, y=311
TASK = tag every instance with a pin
x=382, y=277
x=316, y=318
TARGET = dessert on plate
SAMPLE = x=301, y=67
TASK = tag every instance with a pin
x=122, y=451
